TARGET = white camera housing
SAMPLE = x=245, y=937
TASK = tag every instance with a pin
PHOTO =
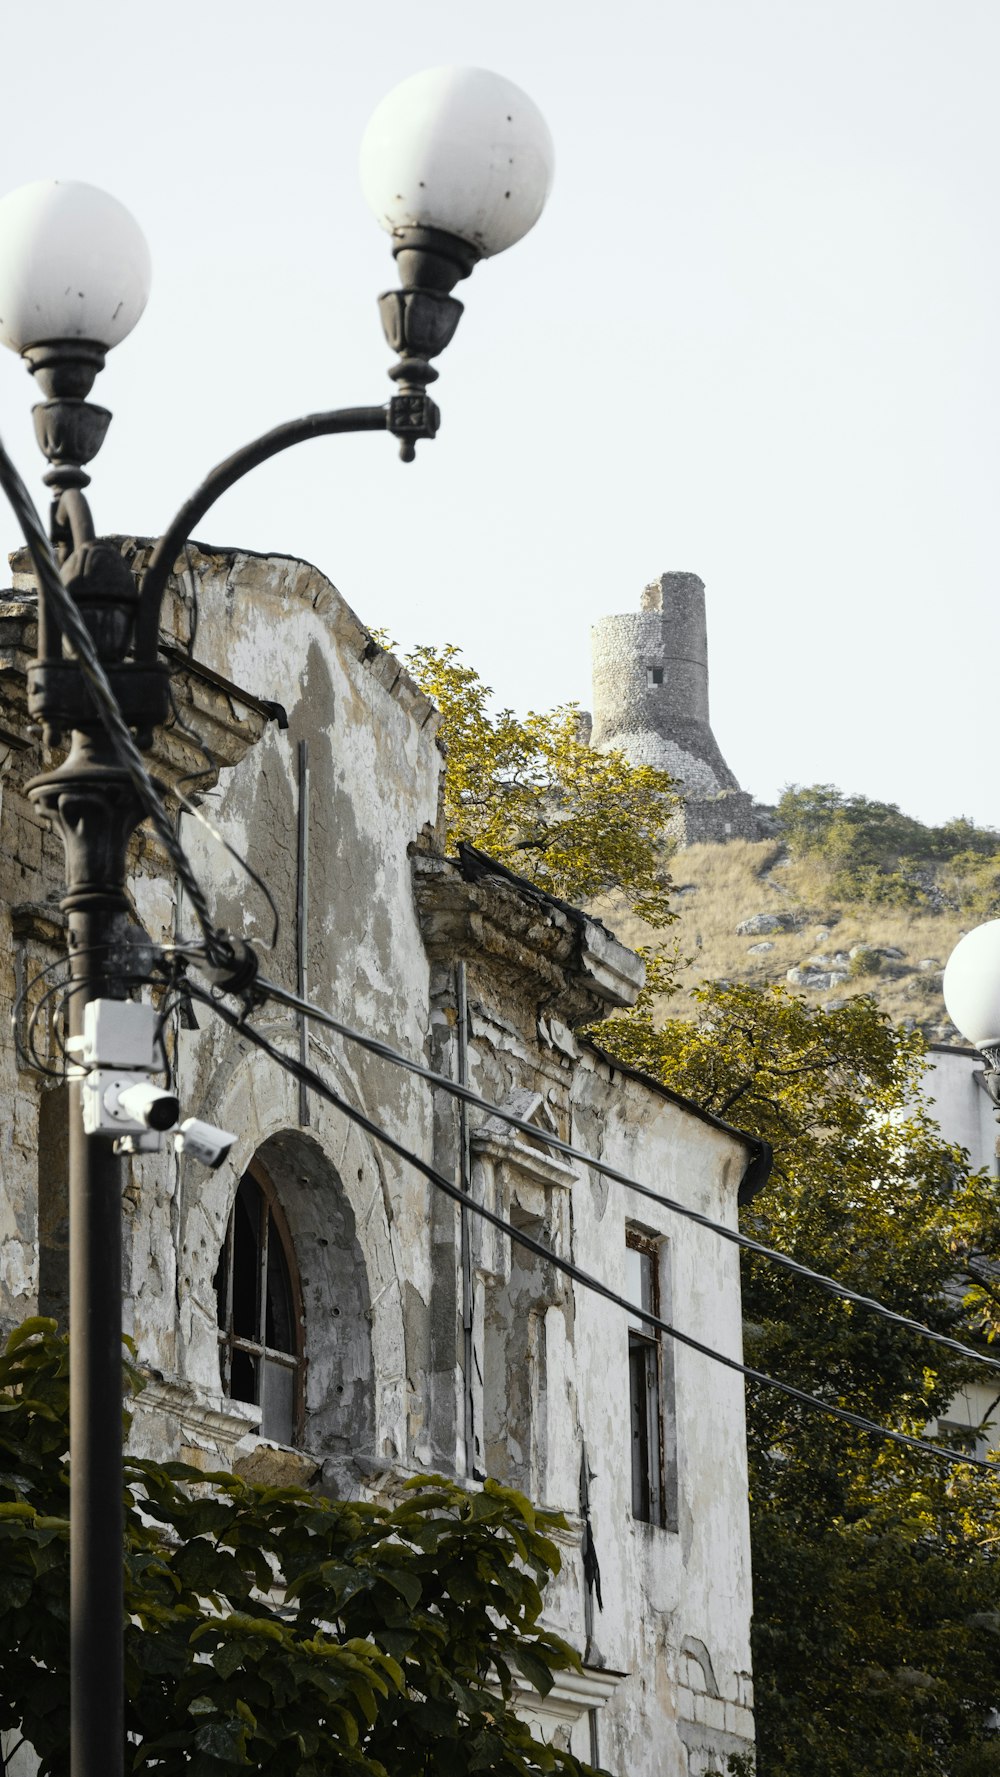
x=118, y=1103
x=146, y=1104
x=203, y=1141
x=113, y=1058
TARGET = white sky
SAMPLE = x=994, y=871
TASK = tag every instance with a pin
x=754, y=335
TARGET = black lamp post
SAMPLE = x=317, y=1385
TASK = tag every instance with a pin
x=456, y=164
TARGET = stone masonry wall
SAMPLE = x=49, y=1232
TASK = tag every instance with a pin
x=650, y=696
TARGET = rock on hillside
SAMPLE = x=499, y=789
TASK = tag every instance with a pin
x=751, y=912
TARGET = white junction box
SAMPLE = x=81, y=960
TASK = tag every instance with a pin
x=119, y=1034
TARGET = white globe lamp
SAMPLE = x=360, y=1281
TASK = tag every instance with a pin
x=74, y=264
x=972, y=988
x=462, y=151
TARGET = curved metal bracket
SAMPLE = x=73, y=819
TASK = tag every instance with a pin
x=224, y=476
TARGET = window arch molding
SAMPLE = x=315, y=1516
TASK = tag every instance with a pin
x=331, y=1299
x=336, y=1213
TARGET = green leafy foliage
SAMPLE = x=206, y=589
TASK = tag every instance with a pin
x=534, y=794
x=972, y=883
x=884, y=857
x=876, y=1631
x=269, y=1629
x=876, y=1571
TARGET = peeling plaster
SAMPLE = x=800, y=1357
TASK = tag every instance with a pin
x=379, y=1254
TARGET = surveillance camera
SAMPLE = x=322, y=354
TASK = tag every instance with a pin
x=147, y=1105
x=203, y=1141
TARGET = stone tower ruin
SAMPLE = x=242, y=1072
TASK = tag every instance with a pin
x=650, y=697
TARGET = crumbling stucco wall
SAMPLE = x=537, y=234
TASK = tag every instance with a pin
x=546, y=1406
x=429, y=1341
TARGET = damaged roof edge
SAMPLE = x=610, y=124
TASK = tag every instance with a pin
x=475, y=865
x=758, y=1169
x=302, y=580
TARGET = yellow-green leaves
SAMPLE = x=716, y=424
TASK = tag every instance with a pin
x=534, y=794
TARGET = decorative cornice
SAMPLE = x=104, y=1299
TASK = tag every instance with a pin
x=212, y=1423
x=573, y=1694
x=497, y=1141
x=564, y=963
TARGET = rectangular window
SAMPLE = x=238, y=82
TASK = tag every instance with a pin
x=654, y=675
x=650, y=1379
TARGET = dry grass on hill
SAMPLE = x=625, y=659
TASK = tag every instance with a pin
x=719, y=886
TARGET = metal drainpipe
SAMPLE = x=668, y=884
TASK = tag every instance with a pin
x=302, y=920
x=465, y=1181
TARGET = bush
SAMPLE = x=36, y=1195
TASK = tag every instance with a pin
x=859, y=835
x=270, y=1629
x=864, y=962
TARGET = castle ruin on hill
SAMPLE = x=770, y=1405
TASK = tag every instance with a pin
x=650, y=698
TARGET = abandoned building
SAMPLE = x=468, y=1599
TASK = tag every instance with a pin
x=392, y=1331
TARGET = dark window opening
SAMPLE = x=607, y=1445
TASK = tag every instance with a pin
x=654, y=675
x=259, y=1310
x=642, y=1286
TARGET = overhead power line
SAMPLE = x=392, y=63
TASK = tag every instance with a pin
x=131, y=758
x=308, y=1076
x=735, y=1235
x=105, y=702
x=218, y=945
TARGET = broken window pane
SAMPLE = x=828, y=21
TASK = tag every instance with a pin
x=258, y=1313
x=645, y=1358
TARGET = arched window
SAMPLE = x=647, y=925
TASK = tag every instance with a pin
x=260, y=1309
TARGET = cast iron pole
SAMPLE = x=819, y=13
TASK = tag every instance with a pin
x=93, y=806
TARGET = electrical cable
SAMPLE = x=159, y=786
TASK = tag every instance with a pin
x=68, y=989
x=314, y=1081
x=21, y=1000
x=26, y=1052
x=49, y=994
x=105, y=703
x=735, y=1235
x=130, y=757
x=199, y=815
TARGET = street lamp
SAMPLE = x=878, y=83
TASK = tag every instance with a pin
x=972, y=996
x=457, y=164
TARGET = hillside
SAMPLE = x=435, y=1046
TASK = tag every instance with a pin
x=850, y=896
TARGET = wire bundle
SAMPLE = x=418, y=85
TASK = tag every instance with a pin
x=218, y=947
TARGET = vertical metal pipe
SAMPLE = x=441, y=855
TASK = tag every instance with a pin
x=465, y=1181
x=595, y=1737
x=302, y=920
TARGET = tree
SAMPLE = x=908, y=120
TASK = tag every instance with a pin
x=876, y=1631
x=878, y=854
x=533, y=793
x=269, y=1629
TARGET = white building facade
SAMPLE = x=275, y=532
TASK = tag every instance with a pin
x=313, y=1311
x=954, y=1086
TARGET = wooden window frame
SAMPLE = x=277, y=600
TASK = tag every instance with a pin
x=646, y=1388
x=270, y=1215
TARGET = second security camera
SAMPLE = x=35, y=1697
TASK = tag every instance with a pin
x=203, y=1141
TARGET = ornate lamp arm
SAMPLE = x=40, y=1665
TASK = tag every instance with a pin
x=399, y=416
